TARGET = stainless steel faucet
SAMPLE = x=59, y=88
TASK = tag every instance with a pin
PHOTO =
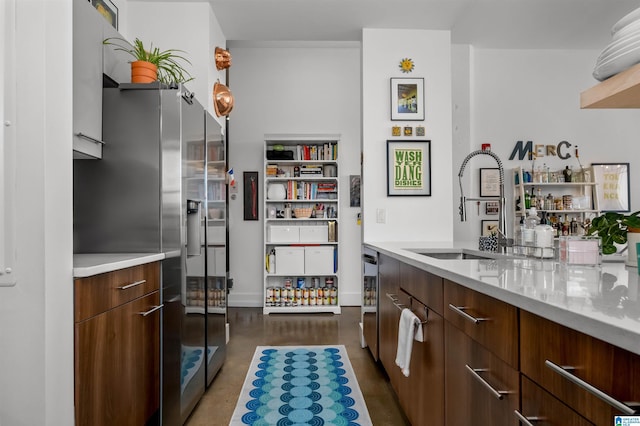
x=502, y=223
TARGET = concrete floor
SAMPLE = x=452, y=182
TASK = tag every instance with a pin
x=249, y=328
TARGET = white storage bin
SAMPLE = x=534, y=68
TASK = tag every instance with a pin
x=284, y=234
x=314, y=234
x=319, y=260
x=290, y=260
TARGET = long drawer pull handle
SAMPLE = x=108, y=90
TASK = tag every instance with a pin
x=128, y=286
x=590, y=388
x=460, y=311
x=89, y=138
x=474, y=372
x=527, y=420
x=152, y=310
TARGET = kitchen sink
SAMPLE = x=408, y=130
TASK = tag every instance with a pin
x=453, y=255
x=459, y=254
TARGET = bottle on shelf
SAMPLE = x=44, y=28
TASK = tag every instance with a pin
x=539, y=200
x=527, y=200
x=567, y=172
x=548, y=202
x=534, y=200
x=565, y=225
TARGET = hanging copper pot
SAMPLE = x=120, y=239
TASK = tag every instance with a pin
x=222, y=99
x=222, y=58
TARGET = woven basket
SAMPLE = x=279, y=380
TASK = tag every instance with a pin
x=302, y=213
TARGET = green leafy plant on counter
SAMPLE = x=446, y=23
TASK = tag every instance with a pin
x=612, y=227
x=169, y=62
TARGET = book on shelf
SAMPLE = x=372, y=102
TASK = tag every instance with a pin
x=325, y=152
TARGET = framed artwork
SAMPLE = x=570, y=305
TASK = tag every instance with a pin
x=354, y=191
x=491, y=208
x=409, y=168
x=250, y=199
x=108, y=10
x=613, y=186
x=490, y=182
x=407, y=99
x=489, y=228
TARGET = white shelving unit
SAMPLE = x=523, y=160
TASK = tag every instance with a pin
x=585, y=191
x=307, y=168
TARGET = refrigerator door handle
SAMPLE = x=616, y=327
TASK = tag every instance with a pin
x=194, y=227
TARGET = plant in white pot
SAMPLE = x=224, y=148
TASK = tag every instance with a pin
x=617, y=228
x=151, y=64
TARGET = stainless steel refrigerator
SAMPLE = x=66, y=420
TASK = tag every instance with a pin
x=161, y=187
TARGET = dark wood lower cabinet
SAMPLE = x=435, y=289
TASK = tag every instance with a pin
x=541, y=408
x=422, y=393
x=389, y=316
x=117, y=357
x=480, y=388
x=117, y=347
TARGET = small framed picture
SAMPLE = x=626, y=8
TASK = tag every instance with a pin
x=420, y=131
x=490, y=182
x=491, y=208
x=395, y=131
x=407, y=99
x=408, y=130
x=108, y=10
x=489, y=228
x=614, y=186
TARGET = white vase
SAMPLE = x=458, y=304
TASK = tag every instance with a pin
x=276, y=191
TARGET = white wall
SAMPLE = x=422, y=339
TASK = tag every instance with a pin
x=36, y=316
x=407, y=218
x=188, y=26
x=292, y=88
x=535, y=95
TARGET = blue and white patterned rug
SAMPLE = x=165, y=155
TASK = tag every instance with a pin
x=295, y=386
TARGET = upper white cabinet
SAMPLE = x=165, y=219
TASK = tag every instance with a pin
x=92, y=59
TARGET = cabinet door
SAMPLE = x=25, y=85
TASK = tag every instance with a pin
x=422, y=393
x=542, y=409
x=116, y=63
x=389, y=316
x=480, y=388
x=117, y=364
x=570, y=364
x=87, y=78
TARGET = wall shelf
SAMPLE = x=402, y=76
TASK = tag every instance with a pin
x=620, y=91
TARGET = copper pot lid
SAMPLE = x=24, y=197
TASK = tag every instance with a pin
x=222, y=58
x=222, y=99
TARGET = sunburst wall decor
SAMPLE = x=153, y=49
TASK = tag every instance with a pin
x=406, y=65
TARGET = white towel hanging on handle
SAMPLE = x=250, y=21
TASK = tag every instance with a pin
x=409, y=328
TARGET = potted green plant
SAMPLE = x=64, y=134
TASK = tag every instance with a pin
x=613, y=228
x=167, y=63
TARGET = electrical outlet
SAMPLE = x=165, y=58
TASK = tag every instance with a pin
x=381, y=216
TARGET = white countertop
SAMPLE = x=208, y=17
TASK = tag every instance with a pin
x=602, y=302
x=86, y=265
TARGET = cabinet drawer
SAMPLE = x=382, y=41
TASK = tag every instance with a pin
x=488, y=321
x=566, y=362
x=540, y=404
x=422, y=285
x=480, y=388
x=99, y=293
